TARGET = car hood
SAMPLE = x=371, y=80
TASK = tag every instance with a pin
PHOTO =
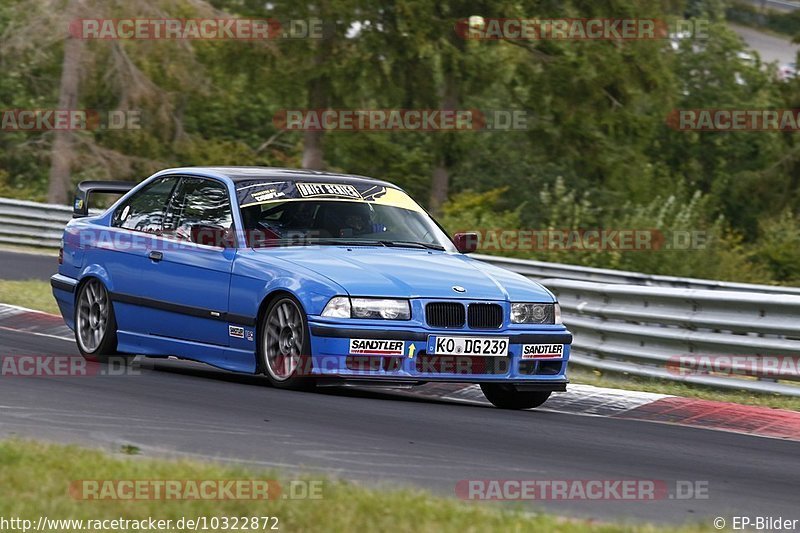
x=409, y=273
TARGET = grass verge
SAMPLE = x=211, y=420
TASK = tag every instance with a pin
x=33, y=294
x=662, y=386
x=35, y=480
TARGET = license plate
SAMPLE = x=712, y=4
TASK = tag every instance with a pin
x=484, y=346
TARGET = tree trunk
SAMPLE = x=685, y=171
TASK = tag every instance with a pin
x=59, y=185
x=319, y=95
x=439, y=185
x=312, y=150
x=440, y=182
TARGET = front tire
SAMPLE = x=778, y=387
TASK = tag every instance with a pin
x=506, y=396
x=95, y=324
x=284, y=345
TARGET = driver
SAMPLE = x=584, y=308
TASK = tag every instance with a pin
x=357, y=221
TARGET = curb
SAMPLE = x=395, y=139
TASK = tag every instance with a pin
x=589, y=400
x=721, y=416
x=34, y=322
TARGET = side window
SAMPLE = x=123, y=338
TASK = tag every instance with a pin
x=198, y=205
x=145, y=210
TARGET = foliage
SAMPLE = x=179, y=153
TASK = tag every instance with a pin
x=470, y=211
x=778, y=248
x=597, y=150
x=683, y=239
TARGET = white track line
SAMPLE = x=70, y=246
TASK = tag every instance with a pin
x=27, y=332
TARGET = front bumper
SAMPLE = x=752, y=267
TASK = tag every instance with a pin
x=330, y=346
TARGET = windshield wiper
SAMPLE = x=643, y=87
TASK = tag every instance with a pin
x=413, y=244
x=341, y=242
x=352, y=242
x=268, y=243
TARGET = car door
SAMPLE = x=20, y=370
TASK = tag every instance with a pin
x=134, y=231
x=192, y=266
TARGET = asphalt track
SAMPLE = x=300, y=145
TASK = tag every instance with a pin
x=770, y=47
x=173, y=408
x=22, y=266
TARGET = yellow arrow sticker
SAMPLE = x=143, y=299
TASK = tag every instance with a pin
x=411, y=350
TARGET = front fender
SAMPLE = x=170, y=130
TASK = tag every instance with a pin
x=253, y=281
x=312, y=298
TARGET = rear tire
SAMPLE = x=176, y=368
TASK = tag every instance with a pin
x=505, y=396
x=284, y=346
x=95, y=324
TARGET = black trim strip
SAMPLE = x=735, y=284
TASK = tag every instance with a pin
x=188, y=340
x=242, y=320
x=545, y=386
x=348, y=333
x=189, y=310
x=338, y=381
x=404, y=335
x=541, y=338
x=58, y=283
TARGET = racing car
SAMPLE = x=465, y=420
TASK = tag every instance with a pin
x=307, y=277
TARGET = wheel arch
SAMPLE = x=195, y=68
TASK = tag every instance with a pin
x=82, y=282
x=268, y=299
x=98, y=272
x=108, y=345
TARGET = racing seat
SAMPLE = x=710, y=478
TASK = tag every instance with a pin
x=255, y=234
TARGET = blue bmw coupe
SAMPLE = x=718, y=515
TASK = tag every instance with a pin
x=307, y=277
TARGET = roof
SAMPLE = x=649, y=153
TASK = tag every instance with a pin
x=238, y=174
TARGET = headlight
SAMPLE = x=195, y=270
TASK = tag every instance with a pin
x=530, y=313
x=338, y=307
x=374, y=308
x=380, y=308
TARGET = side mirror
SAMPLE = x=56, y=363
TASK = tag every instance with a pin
x=80, y=206
x=466, y=243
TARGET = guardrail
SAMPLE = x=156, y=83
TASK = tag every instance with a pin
x=720, y=339
x=783, y=5
x=623, y=322
x=541, y=270
x=31, y=223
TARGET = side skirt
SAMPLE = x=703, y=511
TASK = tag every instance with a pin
x=218, y=356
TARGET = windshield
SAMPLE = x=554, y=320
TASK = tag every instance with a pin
x=336, y=214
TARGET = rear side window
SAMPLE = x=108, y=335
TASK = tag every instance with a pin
x=198, y=204
x=144, y=211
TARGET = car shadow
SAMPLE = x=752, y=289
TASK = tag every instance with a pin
x=417, y=394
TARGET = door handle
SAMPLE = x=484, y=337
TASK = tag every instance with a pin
x=156, y=256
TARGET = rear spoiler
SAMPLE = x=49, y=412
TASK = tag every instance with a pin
x=80, y=208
